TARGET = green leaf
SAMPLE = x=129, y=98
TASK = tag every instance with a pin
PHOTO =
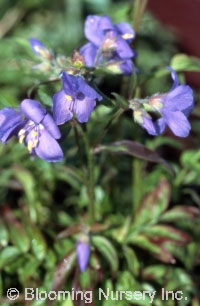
x=85, y=279
x=8, y=255
x=166, y=233
x=45, y=98
x=120, y=101
x=132, y=260
x=3, y=234
x=28, y=182
x=19, y=237
x=63, y=270
x=183, y=62
x=126, y=282
x=38, y=242
x=18, y=233
x=1, y=285
x=153, y=204
x=105, y=247
x=155, y=272
x=180, y=212
x=28, y=269
x=145, y=243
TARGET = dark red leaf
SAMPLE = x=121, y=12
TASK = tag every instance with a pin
x=135, y=149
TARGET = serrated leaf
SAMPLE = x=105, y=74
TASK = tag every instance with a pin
x=105, y=247
x=135, y=149
x=153, y=204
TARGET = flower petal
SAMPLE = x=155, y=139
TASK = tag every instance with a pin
x=70, y=84
x=127, y=66
x=83, y=109
x=123, y=49
x=48, y=148
x=154, y=127
x=174, y=77
x=33, y=110
x=96, y=27
x=10, y=120
x=87, y=90
x=89, y=52
x=51, y=127
x=62, y=108
x=179, y=99
x=178, y=123
x=124, y=28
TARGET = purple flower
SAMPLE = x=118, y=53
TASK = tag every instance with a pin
x=107, y=42
x=38, y=130
x=76, y=98
x=174, y=107
x=40, y=49
x=83, y=254
x=10, y=123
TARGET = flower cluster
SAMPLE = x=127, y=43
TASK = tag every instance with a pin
x=38, y=129
x=172, y=109
x=108, y=44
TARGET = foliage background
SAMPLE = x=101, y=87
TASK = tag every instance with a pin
x=39, y=200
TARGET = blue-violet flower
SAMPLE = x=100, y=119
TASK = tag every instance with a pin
x=36, y=129
x=174, y=107
x=108, y=42
x=75, y=98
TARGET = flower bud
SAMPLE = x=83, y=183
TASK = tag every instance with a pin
x=61, y=60
x=40, y=49
x=83, y=253
x=77, y=60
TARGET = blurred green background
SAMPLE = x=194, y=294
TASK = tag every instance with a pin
x=146, y=217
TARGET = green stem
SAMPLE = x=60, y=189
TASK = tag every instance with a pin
x=139, y=9
x=137, y=183
x=91, y=179
x=80, y=152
